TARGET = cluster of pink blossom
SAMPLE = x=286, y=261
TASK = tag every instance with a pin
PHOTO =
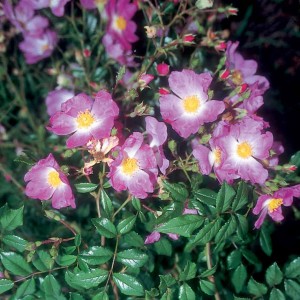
x=239, y=145
x=39, y=41
x=120, y=29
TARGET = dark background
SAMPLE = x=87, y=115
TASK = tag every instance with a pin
x=268, y=31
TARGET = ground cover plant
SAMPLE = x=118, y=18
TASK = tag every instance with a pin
x=134, y=161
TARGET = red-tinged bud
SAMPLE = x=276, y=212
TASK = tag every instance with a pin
x=144, y=80
x=163, y=91
x=224, y=74
x=243, y=88
x=293, y=168
x=163, y=69
x=94, y=85
x=221, y=46
x=231, y=11
x=188, y=38
x=86, y=53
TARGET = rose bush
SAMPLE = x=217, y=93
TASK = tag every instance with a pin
x=137, y=124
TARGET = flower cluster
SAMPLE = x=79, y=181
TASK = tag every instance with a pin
x=226, y=138
x=39, y=41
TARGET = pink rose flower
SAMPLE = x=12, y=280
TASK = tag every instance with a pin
x=57, y=6
x=56, y=98
x=244, y=146
x=120, y=25
x=189, y=107
x=271, y=204
x=38, y=47
x=46, y=181
x=85, y=119
x=23, y=18
x=134, y=168
x=242, y=70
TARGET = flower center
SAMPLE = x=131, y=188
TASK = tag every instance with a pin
x=244, y=150
x=191, y=104
x=217, y=155
x=53, y=179
x=237, y=77
x=274, y=204
x=85, y=119
x=129, y=166
x=120, y=23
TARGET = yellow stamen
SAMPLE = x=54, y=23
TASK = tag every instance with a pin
x=120, y=23
x=244, y=150
x=53, y=179
x=274, y=204
x=85, y=119
x=129, y=166
x=217, y=155
x=237, y=77
x=191, y=104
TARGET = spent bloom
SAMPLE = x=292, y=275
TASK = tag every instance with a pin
x=46, y=181
x=56, y=98
x=272, y=204
x=84, y=118
x=189, y=107
x=36, y=48
x=134, y=168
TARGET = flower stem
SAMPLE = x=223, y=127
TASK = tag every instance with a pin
x=209, y=266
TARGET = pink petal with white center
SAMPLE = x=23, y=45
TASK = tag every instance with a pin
x=170, y=107
x=133, y=143
x=63, y=197
x=187, y=83
x=210, y=110
x=261, y=219
x=140, y=185
x=41, y=168
x=247, y=67
x=38, y=189
x=157, y=131
x=102, y=128
x=77, y=104
x=253, y=171
x=62, y=124
x=79, y=138
x=145, y=157
x=104, y=106
x=201, y=153
x=55, y=99
x=260, y=203
x=161, y=160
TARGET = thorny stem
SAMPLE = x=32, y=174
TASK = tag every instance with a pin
x=37, y=273
x=209, y=266
x=68, y=226
x=113, y=262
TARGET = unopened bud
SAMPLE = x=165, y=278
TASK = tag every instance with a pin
x=86, y=53
x=163, y=69
x=188, y=38
x=224, y=74
x=163, y=91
